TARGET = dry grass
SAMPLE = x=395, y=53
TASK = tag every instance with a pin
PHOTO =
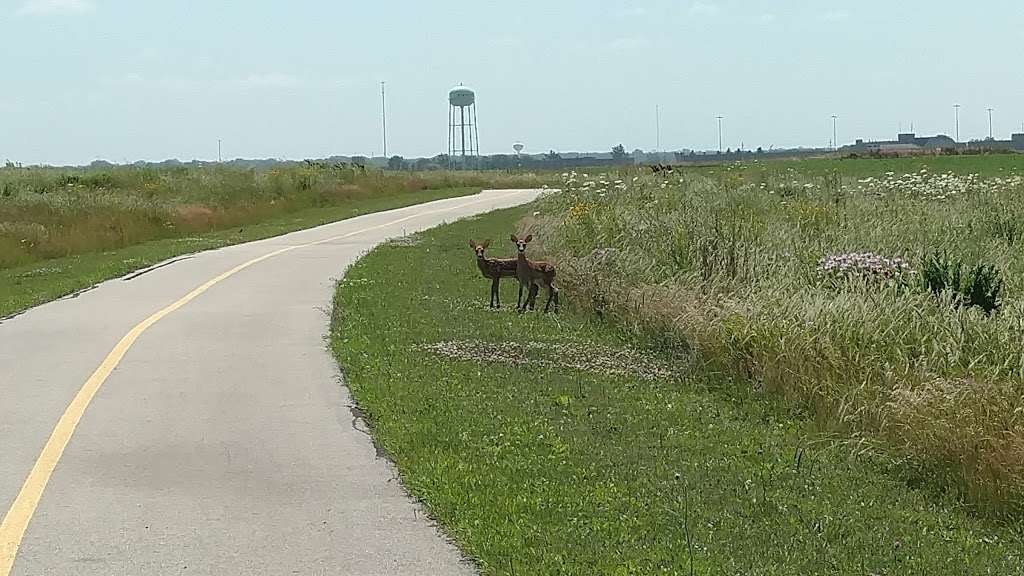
x=577, y=356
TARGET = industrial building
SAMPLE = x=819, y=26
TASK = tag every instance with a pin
x=910, y=143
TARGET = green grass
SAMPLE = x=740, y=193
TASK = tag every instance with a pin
x=539, y=468
x=30, y=285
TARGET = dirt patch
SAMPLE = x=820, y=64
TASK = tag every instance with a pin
x=582, y=356
x=406, y=241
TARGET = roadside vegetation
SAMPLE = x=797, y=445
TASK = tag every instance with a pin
x=601, y=441
x=62, y=230
x=886, y=307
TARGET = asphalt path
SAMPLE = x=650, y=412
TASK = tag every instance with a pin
x=189, y=419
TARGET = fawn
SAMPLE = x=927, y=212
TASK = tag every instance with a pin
x=493, y=268
x=534, y=274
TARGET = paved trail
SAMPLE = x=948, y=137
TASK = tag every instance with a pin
x=212, y=434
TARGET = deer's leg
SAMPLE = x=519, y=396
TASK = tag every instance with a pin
x=494, y=293
x=519, y=304
x=532, y=299
x=552, y=297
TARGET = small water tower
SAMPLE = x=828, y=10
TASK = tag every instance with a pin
x=463, y=144
x=518, y=147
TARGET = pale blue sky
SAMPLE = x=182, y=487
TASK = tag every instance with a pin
x=139, y=79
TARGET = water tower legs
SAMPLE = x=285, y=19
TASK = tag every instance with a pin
x=462, y=127
x=463, y=136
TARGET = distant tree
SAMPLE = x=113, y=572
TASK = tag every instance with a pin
x=424, y=164
x=552, y=155
x=760, y=150
x=619, y=152
x=359, y=160
x=498, y=162
x=728, y=150
x=441, y=160
x=396, y=163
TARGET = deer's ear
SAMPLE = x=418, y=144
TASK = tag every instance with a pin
x=472, y=244
x=486, y=244
x=529, y=238
x=514, y=239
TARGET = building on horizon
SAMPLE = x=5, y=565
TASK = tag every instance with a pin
x=910, y=143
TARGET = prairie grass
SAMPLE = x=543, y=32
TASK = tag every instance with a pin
x=809, y=287
x=50, y=213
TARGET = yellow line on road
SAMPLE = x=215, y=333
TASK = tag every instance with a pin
x=18, y=517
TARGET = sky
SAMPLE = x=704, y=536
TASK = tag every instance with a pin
x=127, y=80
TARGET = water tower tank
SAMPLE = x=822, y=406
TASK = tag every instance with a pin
x=461, y=97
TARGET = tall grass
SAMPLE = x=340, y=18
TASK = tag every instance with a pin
x=50, y=213
x=729, y=263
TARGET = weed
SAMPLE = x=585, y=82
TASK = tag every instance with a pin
x=980, y=286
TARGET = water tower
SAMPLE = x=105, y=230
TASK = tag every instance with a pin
x=463, y=145
x=518, y=147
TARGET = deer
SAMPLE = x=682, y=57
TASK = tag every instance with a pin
x=493, y=268
x=534, y=274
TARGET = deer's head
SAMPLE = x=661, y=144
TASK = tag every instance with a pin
x=479, y=248
x=521, y=242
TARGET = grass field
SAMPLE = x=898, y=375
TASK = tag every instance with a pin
x=885, y=305
x=986, y=165
x=65, y=230
x=579, y=445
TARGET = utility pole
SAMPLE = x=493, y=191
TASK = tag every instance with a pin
x=383, y=120
x=956, y=120
x=219, y=159
x=990, y=124
x=657, y=123
x=719, y=133
x=835, y=141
